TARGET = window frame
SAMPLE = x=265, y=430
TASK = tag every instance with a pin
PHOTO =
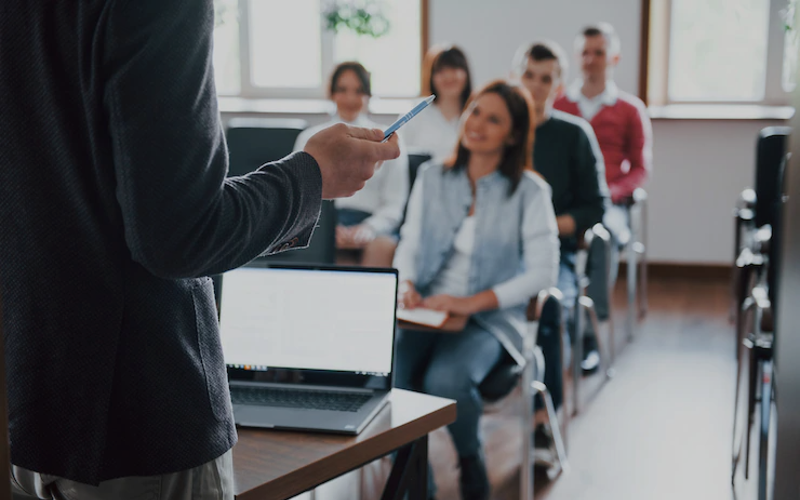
x=248, y=90
x=655, y=58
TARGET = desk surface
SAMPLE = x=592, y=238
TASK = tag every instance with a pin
x=278, y=465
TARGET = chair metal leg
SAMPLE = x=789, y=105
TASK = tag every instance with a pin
x=565, y=432
x=552, y=419
x=612, y=347
x=587, y=304
x=577, y=356
x=752, y=381
x=766, y=420
x=738, y=440
x=526, y=471
x=642, y=251
x=631, y=281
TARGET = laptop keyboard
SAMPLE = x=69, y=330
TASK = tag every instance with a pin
x=292, y=398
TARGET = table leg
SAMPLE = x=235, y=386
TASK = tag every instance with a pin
x=409, y=473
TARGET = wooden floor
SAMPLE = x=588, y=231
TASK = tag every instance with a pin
x=660, y=429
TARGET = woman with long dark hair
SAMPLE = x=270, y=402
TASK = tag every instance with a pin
x=480, y=240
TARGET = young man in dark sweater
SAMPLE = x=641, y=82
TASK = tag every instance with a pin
x=567, y=155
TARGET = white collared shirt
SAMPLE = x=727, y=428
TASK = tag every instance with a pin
x=589, y=107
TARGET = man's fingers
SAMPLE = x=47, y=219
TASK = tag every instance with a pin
x=369, y=134
x=377, y=152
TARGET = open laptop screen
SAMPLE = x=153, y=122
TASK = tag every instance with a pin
x=319, y=319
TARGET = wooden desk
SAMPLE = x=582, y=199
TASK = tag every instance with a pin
x=276, y=465
x=454, y=324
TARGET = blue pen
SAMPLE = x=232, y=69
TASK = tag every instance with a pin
x=406, y=117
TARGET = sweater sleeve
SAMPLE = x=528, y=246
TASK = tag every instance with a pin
x=590, y=190
x=540, y=248
x=639, y=152
x=182, y=217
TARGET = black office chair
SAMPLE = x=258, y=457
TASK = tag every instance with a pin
x=756, y=324
x=253, y=142
x=755, y=209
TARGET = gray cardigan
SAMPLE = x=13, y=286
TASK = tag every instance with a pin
x=113, y=207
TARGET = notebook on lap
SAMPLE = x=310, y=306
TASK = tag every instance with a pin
x=308, y=348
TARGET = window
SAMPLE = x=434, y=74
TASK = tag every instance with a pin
x=258, y=53
x=717, y=51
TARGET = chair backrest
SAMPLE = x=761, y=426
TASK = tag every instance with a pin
x=253, y=142
x=415, y=160
x=776, y=243
x=505, y=375
x=598, y=241
x=770, y=152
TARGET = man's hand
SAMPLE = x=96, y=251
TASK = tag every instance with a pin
x=348, y=156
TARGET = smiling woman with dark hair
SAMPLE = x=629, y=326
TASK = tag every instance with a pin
x=480, y=240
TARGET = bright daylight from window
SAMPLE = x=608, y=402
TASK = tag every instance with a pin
x=299, y=56
x=718, y=50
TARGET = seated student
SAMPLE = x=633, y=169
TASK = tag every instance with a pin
x=622, y=127
x=480, y=240
x=378, y=207
x=435, y=130
x=568, y=157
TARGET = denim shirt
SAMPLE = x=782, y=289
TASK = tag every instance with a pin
x=502, y=255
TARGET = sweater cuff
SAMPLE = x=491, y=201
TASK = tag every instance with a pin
x=306, y=178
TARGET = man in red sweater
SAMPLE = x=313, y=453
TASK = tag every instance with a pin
x=623, y=130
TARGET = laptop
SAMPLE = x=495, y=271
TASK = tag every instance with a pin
x=308, y=348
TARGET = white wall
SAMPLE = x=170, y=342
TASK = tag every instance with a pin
x=700, y=167
x=491, y=32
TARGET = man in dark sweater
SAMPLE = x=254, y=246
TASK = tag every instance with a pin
x=567, y=155
x=114, y=207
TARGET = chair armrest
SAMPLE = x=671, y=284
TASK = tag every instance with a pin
x=747, y=199
x=762, y=240
x=537, y=304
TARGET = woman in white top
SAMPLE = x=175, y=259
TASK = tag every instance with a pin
x=378, y=207
x=435, y=131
